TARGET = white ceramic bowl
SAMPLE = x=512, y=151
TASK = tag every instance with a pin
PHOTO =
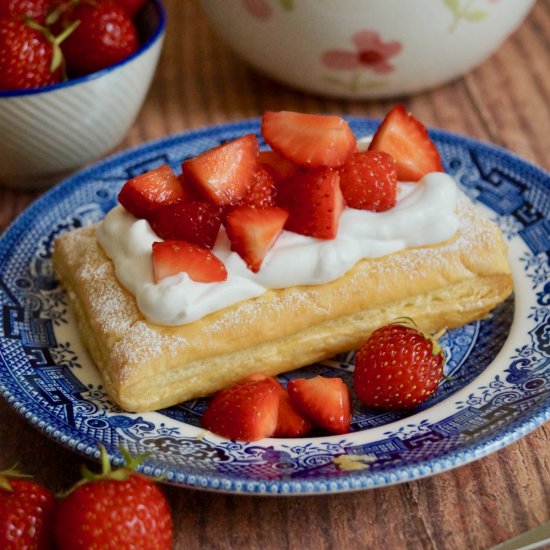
x=48, y=132
x=365, y=48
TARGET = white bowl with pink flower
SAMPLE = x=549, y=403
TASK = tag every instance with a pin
x=365, y=48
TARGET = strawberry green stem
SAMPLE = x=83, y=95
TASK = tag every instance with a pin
x=11, y=473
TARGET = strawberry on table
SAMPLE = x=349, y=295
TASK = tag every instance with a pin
x=224, y=173
x=142, y=194
x=196, y=222
x=325, y=402
x=369, y=181
x=252, y=232
x=27, y=511
x=104, y=36
x=398, y=367
x=314, y=202
x=19, y=9
x=116, y=509
x=407, y=140
x=309, y=140
x=131, y=7
x=173, y=257
x=27, y=57
x=246, y=411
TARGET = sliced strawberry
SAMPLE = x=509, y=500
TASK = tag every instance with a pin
x=142, y=194
x=246, y=411
x=325, y=402
x=290, y=423
x=224, y=174
x=407, y=140
x=191, y=193
x=314, y=202
x=309, y=140
x=196, y=222
x=279, y=167
x=369, y=181
x=252, y=232
x=173, y=257
x=262, y=192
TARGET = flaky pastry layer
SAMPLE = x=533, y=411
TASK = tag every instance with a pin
x=147, y=366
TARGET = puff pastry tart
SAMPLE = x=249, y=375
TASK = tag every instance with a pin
x=148, y=363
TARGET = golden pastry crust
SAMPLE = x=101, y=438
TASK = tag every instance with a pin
x=146, y=366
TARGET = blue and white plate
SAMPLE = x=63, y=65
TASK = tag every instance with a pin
x=499, y=389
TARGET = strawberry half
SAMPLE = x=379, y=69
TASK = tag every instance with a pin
x=246, y=411
x=406, y=139
x=309, y=140
x=369, y=181
x=196, y=222
x=173, y=257
x=314, y=202
x=325, y=402
x=224, y=174
x=290, y=423
x=144, y=193
x=252, y=232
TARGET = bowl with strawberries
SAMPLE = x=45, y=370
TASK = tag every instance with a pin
x=73, y=76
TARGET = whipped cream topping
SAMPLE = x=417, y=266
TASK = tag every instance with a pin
x=425, y=214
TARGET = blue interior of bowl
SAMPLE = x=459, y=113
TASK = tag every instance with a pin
x=151, y=24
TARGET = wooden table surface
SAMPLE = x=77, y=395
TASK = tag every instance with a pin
x=505, y=101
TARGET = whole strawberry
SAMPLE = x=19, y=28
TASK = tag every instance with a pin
x=131, y=7
x=27, y=511
x=398, y=367
x=27, y=57
x=117, y=509
x=19, y=9
x=104, y=36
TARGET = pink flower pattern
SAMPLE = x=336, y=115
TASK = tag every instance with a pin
x=258, y=8
x=371, y=53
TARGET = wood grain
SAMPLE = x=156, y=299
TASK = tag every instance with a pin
x=505, y=101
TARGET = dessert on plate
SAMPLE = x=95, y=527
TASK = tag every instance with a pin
x=254, y=261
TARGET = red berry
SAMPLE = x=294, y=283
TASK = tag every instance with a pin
x=279, y=167
x=252, y=232
x=307, y=140
x=26, y=57
x=27, y=511
x=131, y=7
x=104, y=36
x=398, y=367
x=261, y=193
x=290, y=423
x=195, y=222
x=325, y=402
x=246, y=411
x=19, y=9
x=145, y=193
x=314, y=202
x=118, y=510
x=225, y=173
x=173, y=257
x=369, y=181
x=407, y=141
